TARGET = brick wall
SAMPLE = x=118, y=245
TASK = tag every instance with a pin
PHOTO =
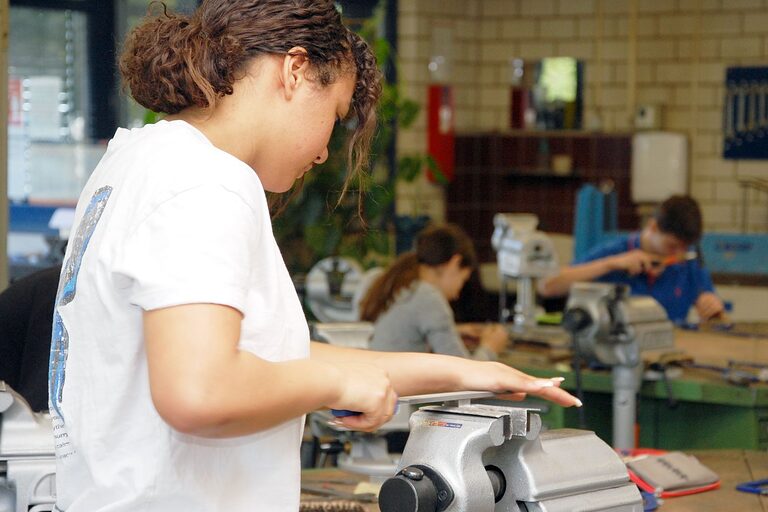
x=683, y=48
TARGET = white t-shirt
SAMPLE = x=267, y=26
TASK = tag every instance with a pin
x=166, y=219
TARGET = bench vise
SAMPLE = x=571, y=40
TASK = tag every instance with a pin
x=27, y=459
x=487, y=458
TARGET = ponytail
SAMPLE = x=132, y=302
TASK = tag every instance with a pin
x=401, y=274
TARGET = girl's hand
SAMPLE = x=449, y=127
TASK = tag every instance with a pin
x=514, y=384
x=494, y=338
x=365, y=388
x=470, y=329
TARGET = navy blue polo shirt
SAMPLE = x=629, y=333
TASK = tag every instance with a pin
x=677, y=288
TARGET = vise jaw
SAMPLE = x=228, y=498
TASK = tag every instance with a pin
x=483, y=458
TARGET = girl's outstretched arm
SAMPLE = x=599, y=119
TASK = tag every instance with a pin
x=418, y=373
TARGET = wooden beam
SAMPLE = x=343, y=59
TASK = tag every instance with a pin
x=4, y=15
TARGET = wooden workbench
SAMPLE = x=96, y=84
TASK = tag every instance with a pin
x=733, y=466
x=706, y=411
x=703, y=390
x=718, y=348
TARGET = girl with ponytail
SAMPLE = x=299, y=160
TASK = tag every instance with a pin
x=409, y=305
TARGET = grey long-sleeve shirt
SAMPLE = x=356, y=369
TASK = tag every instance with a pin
x=421, y=320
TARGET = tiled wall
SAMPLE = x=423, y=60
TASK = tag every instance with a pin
x=683, y=48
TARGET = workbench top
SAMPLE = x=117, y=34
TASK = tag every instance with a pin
x=720, y=347
x=695, y=385
x=733, y=466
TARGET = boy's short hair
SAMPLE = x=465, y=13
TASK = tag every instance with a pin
x=680, y=216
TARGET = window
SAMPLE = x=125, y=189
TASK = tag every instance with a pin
x=49, y=105
x=64, y=104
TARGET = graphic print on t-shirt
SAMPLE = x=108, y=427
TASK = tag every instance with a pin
x=65, y=295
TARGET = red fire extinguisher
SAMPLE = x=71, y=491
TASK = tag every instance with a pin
x=441, y=130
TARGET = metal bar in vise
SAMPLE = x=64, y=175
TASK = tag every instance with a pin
x=461, y=397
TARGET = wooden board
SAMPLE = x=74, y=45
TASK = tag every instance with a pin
x=335, y=479
x=719, y=348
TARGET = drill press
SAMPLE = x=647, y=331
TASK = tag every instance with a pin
x=523, y=254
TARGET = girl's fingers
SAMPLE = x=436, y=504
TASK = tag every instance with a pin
x=559, y=396
x=535, y=384
x=362, y=422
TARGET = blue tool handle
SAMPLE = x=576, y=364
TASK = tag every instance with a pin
x=650, y=503
x=343, y=413
x=756, y=487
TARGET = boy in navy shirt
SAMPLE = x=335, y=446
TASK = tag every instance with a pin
x=659, y=261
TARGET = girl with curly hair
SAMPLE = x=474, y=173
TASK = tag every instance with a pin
x=181, y=365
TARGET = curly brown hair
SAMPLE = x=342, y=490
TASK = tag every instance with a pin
x=172, y=61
